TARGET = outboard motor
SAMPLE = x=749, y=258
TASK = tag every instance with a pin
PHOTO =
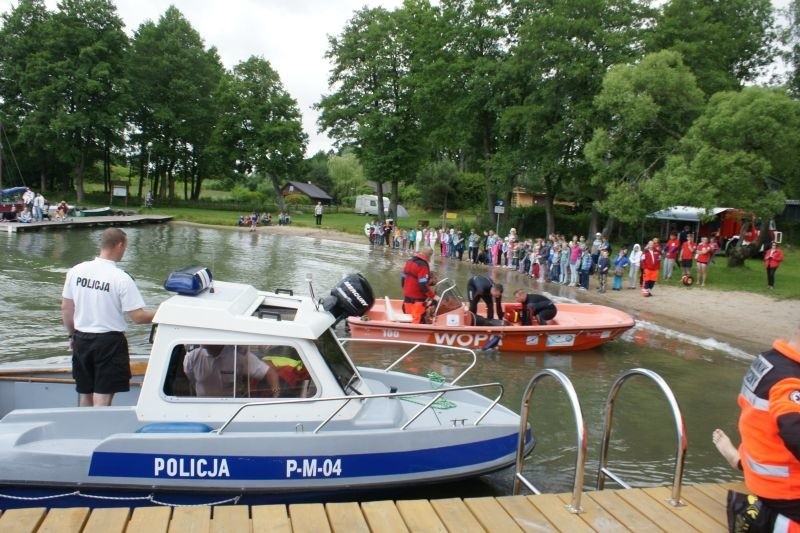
x=351, y=297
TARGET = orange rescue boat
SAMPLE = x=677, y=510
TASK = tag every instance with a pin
x=576, y=326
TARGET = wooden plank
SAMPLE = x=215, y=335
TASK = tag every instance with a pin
x=653, y=510
x=491, y=514
x=714, y=490
x=594, y=515
x=271, y=519
x=22, y=520
x=456, y=515
x=109, y=520
x=554, y=509
x=346, y=517
x=149, y=520
x=419, y=515
x=689, y=512
x=190, y=520
x=64, y=520
x=383, y=516
x=526, y=516
x=309, y=517
x=713, y=507
x=622, y=511
x=231, y=519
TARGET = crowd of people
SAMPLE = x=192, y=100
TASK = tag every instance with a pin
x=36, y=208
x=574, y=262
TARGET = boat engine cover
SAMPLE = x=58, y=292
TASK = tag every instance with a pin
x=350, y=297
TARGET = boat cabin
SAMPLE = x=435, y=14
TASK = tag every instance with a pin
x=233, y=345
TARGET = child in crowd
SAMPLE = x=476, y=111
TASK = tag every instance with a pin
x=603, y=266
x=619, y=268
x=585, y=269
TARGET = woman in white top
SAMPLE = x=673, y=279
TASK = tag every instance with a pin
x=635, y=259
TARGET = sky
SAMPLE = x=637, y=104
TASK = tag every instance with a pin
x=291, y=34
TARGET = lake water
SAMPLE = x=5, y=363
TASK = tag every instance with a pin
x=704, y=375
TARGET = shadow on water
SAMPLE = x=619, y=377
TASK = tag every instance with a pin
x=704, y=375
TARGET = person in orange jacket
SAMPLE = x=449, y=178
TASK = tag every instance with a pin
x=772, y=260
x=416, y=281
x=769, y=454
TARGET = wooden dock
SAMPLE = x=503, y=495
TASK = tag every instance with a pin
x=80, y=222
x=609, y=510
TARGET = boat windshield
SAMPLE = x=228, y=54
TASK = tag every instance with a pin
x=449, y=297
x=336, y=359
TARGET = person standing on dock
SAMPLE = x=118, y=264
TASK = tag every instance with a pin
x=96, y=297
x=769, y=454
x=38, y=207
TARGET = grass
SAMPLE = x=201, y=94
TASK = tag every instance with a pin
x=752, y=277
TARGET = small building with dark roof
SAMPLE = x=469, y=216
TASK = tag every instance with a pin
x=314, y=193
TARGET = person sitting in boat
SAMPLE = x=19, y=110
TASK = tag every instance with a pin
x=535, y=306
x=212, y=369
x=482, y=288
x=416, y=283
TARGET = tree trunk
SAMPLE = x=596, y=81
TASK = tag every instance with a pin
x=737, y=254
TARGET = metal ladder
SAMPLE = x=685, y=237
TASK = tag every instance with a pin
x=580, y=461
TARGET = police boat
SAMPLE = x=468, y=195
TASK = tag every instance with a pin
x=325, y=427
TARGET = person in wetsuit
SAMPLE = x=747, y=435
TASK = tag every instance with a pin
x=482, y=288
x=535, y=306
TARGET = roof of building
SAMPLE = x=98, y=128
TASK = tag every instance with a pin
x=310, y=190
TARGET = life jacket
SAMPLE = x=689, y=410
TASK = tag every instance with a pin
x=770, y=395
x=414, y=279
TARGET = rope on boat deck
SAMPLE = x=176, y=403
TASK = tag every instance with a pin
x=437, y=381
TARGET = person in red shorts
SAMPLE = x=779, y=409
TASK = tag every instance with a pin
x=703, y=256
x=651, y=264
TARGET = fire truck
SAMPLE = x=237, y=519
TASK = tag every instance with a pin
x=724, y=223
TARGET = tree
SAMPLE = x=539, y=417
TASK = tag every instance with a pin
x=173, y=80
x=561, y=53
x=724, y=43
x=262, y=121
x=733, y=155
x=372, y=108
x=315, y=170
x=21, y=37
x=648, y=107
x=458, y=90
x=347, y=175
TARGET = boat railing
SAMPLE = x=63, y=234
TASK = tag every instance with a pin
x=414, y=346
x=680, y=430
x=345, y=400
x=580, y=426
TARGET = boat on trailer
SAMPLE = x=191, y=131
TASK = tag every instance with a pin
x=576, y=326
x=331, y=427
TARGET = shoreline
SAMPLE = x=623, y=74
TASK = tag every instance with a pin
x=746, y=321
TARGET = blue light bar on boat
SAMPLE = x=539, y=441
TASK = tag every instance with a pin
x=189, y=281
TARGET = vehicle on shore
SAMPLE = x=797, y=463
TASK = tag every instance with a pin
x=329, y=427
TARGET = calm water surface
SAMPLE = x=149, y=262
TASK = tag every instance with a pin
x=705, y=376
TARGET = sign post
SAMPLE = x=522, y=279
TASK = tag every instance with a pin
x=499, y=209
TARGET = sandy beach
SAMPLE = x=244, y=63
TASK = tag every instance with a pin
x=747, y=321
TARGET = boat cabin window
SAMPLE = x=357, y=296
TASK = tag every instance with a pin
x=336, y=359
x=237, y=371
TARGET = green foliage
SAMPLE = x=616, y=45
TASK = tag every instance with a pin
x=697, y=30
x=742, y=139
x=347, y=175
x=648, y=107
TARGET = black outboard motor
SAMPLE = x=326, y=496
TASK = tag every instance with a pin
x=351, y=297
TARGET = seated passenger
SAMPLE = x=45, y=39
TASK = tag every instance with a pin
x=214, y=370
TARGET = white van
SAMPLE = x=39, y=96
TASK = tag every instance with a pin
x=367, y=204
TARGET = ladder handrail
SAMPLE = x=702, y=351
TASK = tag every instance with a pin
x=580, y=461
x=680, y=428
